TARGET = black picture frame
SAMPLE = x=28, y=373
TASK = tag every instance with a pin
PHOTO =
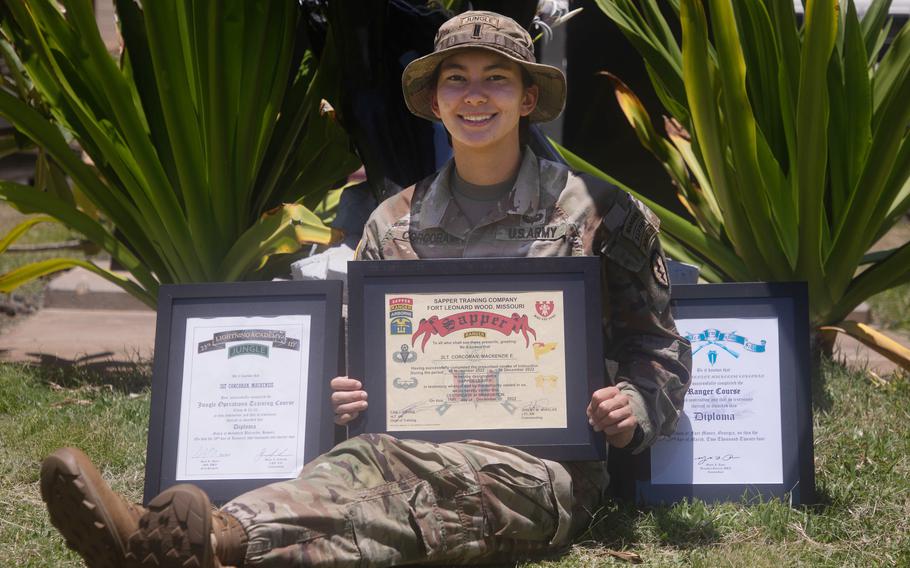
x=788, y=303
x=321, y=300
x=578, y=277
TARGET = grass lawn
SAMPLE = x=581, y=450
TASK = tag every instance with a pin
x=862, y=445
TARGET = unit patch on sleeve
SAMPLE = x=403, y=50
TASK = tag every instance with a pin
x=659, y=269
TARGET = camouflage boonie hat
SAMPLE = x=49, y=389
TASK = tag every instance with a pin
x=493, y=32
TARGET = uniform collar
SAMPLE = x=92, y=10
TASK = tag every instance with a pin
x=440, y=210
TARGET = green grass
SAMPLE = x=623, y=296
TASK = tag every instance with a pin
x=891, y=308
x=862, y=445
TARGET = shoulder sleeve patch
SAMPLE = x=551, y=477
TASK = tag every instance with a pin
x=631, y=231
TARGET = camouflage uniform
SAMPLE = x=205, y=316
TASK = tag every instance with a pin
x=379, y=501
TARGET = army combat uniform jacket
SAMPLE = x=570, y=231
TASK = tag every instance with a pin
x=376, y=500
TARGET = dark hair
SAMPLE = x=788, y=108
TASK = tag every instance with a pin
x=524, y=123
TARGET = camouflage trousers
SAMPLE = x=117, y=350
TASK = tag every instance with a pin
x=376, y=500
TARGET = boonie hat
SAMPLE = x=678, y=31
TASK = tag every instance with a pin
x=493, y=32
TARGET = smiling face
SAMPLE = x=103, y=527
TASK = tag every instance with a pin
x=480, y=98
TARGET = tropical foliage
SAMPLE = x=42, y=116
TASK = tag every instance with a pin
x=209, y=142
x=787, y=141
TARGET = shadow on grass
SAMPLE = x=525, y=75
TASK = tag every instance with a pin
x=685, y=525
x=94, y=370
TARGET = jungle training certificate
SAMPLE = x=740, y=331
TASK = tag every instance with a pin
x=244, y=398
x=475, y=361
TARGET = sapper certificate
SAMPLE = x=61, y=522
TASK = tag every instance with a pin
x=244, y=398
x=475, y=361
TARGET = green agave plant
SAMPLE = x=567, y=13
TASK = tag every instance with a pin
x=788, y=144
x=210, y=140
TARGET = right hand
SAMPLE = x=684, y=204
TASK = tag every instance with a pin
x=348, y=399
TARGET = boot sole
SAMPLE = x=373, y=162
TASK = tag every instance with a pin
x=176, y=531
x=72, y=494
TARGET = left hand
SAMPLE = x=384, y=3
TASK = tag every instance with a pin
x=610, y=412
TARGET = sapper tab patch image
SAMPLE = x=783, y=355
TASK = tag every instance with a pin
x=401, y=312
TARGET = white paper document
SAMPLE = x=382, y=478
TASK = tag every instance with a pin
x=243, y=406
x=730, y=432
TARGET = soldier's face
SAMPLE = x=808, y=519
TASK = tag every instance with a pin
x=480, y=97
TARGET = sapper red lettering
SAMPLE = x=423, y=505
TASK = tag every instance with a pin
x=486, y=320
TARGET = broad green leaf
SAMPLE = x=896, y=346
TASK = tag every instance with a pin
x=870, y=203
x=892, y=69
x=872, y=26
x=840, y=188
x=760, y=52
x=892, y=271
x=700, y=91
x=677, y=108
x=678, y=251
x=10, y=144
x=752, y=182
x=664, y=59
x=282, y=230
x=138, y=67
x=24, y=274
x=857, y=132
x=640, y=121
x=811, y=152
x=826, y=130
x=120, y=210
x=27, y=200
x=172, y=76
x=20, y=229
x=684, y=231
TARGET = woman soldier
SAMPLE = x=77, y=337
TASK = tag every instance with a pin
x=376, y=500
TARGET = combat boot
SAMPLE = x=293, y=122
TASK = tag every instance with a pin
x=181, y=529
x=95, y=522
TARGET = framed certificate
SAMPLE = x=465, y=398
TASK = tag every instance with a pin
x=746, y=429
x=507, y=350
x=240, y=383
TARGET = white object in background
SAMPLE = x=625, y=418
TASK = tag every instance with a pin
x=331, y=264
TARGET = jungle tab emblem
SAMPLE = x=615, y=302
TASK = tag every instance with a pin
x=544, y=308
x=659, y=269
x=405, y=355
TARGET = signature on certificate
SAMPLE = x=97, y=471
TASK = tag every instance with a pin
x=271, y=454
x=715, y=460
x=208, y=452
